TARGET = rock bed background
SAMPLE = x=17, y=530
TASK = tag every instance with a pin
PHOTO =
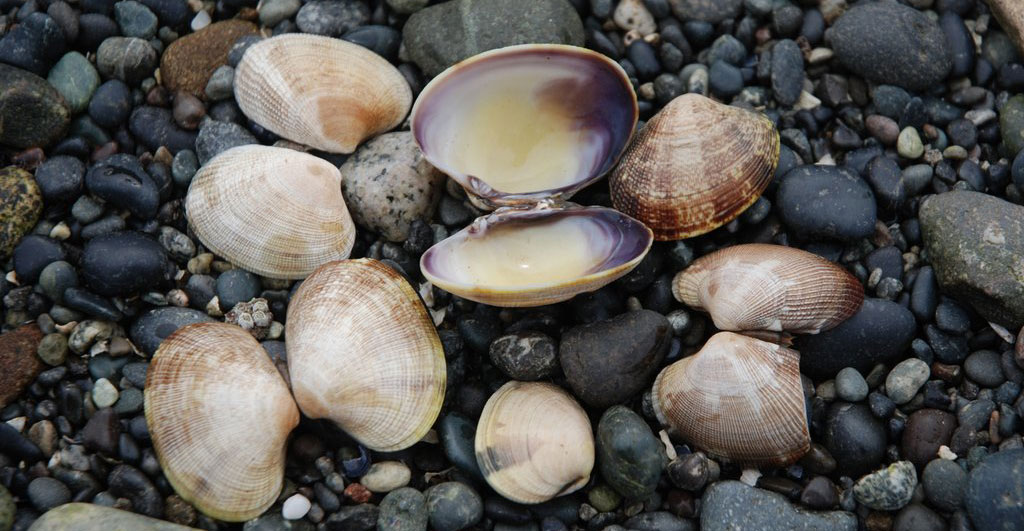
x=906, y=101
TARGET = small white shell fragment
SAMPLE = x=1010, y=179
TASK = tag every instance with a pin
x=201, y=20
x=295, y=507
x=946, y=453
x=670, y=449
x=750, y=475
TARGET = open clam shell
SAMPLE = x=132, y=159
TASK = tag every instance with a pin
x=526, y=122
x=695, y=166
x=326, y=93
x=534, y=442
x=738, y=398
x=364, y=353
x=274, y=211
x=537, y=256
x=219, y=415
x=769, y=287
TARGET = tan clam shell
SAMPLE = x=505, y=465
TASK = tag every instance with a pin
x=326, y=93
x=769, y=287
x=534, y=442
x=364, y=353
x=695, y=166
x=219, y=415
x=273, y=211
x=738, y=398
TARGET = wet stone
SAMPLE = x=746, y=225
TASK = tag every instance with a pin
x=887, y=489
x=926, y=430
x=629, y=456
x=525, y=356
x=453, y=506
x=850, y=385
x=826, y=202
x=34, y=44
x=21, y=204
x=110, y=104
x=46, y=493
x=854, y=437
x=30, y=101
x=994, y=497
x=733, y=505
x=944, y=483
x=216, y=137
x=18, y=362
x=128, y=59
x=880, y=331
x=905, y=379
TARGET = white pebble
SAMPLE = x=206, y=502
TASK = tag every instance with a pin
x=386, y=476
x=946, y=453
x=295, y=507
x=104, y=394
x=750, y=475
x=201, y=20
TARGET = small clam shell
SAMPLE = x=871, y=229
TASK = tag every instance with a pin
x=364, y=353
x=326, y=93
x=219, y=415
x=532, y=257
x=738, y=398
x=527, y=122
x=695, y=166
x=534, y=442
x=769, y=287
x=274, y=211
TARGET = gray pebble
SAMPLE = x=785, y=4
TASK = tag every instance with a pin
x=905, y=379
x=46, y=493
x=850, y=385
x=887, y=489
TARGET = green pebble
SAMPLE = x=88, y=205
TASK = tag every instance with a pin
x=604, y=498
x=909, y=144
x=7, y=509
x=1011, y=124
x=20, y=206
x=76, y=79
x=53, y=349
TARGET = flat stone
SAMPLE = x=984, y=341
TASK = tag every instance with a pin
x=91, y=517
x=19, y=363
x=731, y=505
x=713, y=11
x=76, y=79
x=905, y=379
x=188, y=62
x=35, y=113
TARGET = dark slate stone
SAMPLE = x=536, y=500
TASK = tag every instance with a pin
x=787, y=72
x=155, y=325
x=35, y=44
x=34, y=253
x=826, y=202
x=110, y=104
x=155, y=127
x=60, y=179
x=995, y=492
x=854, y=437
x=121, y=181
x=730, y=505
x=124, y=263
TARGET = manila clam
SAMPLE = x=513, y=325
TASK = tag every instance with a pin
x=219, y=415
x=695, y=166
x=525, y=127
x=326, y=93
x=769, y=287
x=534, y=442
x=739, y=399
x=232, y=196
x=364, y=353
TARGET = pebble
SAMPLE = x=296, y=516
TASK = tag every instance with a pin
x=128, y=59
x=92, y=517
x=629, y=456
x=274, y=11
x=102, y=431
x=221, y=84
x=18, y=361
x=111, y=104
x=154, y=127
x=713, y=11
x=30, y=101
x=295, y=507
x=611, y=361
x=457, y=439
x=331, y=17
x=60, y=179
x=525, y=356
x=819, y=493
x=21, y=203
x=123, y=263
x=909, y=144
x=905, y=379
x=235, y=286
x=730, y=505
x=891, y=43
x=386, y=476
x=888, y=489
x=474, y=26
x=381, y=40
x=984, y=368
x=129, y=482
x=46, y=493
x=387, y=184
x=658, y=521
x=403, y=509
x=121, y=181
x=104, y=394
x=76, y=80
x=216, y=137
x=53, y=349
x=135, y=19
x=994, y=496
x=850, y=385
x=879, y=332
x=188, y=62
x=917, y=517
x=787, y=75
x=7, y=509
x=725, y=80
x=13, y=444
x=34, y=44
x=944, y=483
x=926, y=431
x=854, y=437
x=634, y=15
x=1011, y=124
x=826, y=202
x=453, y=506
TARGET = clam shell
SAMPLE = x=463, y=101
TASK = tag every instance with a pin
x=273, y=211
x=534, y=442
x=695, y=166
x=219, y=415
x=738, y=398
x=526, y=122
x=537, y=256
x=364, y=353
x=326, y=93
x=769, y=287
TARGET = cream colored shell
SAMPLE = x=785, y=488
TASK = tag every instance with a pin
x=326, y=93
x=364, y=353
x=534, y=442
x=738, y=398
x=219, y=415
x=769, y=287
x=273, y=211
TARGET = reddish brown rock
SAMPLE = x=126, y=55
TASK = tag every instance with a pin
x=189, y=61
x=19, y=363
x=926, y=431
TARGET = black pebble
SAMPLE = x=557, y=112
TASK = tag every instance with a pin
x=155, y=127
x=172, y=13
x=110, y=104
x=100, y=434
x=60, y=179
x=93, y=29
x=130, y=482
x=13, y=444
x=959, y=42
x=826, y=202
x=34, y=45
x=880, y=331
x=123, y=263
x=725, y=80
x=382, y=40
x=121, y=181
x=644, y=59
x=33, y=254
x=854, y=437
x=91, y=304
x=787, y=72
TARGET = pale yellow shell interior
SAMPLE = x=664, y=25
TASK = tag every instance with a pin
x=219, y=415
x=327, y=93
x=534, y=442
x=274, y=211
x=364, y=353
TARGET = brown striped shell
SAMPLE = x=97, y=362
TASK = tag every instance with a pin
x=534, y=442
x=219, y=415
x=364, y=353
x=326, y=93
x=695, y=166
x=274, y=211
x=769, y=287
x=738, y=398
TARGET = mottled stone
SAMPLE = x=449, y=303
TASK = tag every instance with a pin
x=732, y=506
x=188, y=62
x=21, y=203
x=34, y=113
x=888, y=489
x=19, y=363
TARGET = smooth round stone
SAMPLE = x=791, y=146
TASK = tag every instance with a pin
x=644, y=59
x=135, y=19
x=403, y=509
x=331, y=17
x=706, y=10
x=629, y=456
x=829, y=202
x=34, y=44
x=888, y=489
x=221, y=84
x=944, y=482
x=76, y=80
x=604, y=498
x=850, y=385
x=154, y=127
x=31, y=102
x=879, y=332
x=21, y=203
x=387, y=184
x=129, y=402
x=854, y=437
x=952, y=318
x=235, y=286
x=104, y=394
x=33, y=254
x=787, y=76
x=925, y=432
x=905, y=379
x=216, y=137
x=453, y=506
x=909, y=144
x=93, y=29
x=184, y=167
x=129, y=59
x=725, y=79
x=65, y=17
x=120, y=180
x=53, y=349
x=123, y=263
x=984, y=368
x=295, y=507
x=93, y=517
x=386, y=476
x=917, y=517
x=994, y=495
x=819, y=493
x=46, y=493
x=91, y=304
x=111, y=104
x=727, y=48
x=891, y=43
x=975, y=415
x=382, y=40
x=657, y=521
x=60, y=179
x=457, y=439
x=1011, y=124
x=525, y=356
x=7, y=509
x=611, y=361
x=189, y=61
x=274, y=11
x=155, y=325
